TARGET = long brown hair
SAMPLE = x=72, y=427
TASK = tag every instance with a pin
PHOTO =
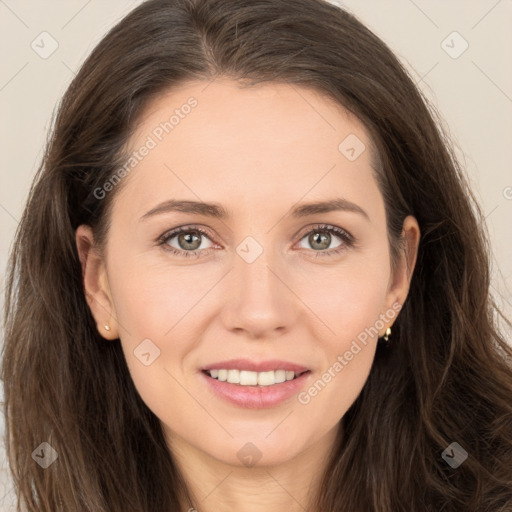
x=447, y=376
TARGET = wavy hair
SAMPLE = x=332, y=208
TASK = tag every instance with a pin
x=447, y=376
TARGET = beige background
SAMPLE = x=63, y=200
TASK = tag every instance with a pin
x=473, y=92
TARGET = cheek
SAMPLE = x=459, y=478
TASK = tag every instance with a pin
x=163, y=305
x=348, y=298
x=149, y=305
x=349, y=305
x=150, y=299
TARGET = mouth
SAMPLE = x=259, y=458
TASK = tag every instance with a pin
x=253, y=378
x=256, y=390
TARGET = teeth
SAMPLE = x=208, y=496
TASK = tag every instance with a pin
x=247, y=378
x=280, y=376
x=233, y=376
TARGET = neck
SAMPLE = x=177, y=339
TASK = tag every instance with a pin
x=292, y=485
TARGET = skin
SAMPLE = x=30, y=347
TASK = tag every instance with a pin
x=257, y=151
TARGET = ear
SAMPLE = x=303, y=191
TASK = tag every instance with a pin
x=95, y=282
x=400, y=280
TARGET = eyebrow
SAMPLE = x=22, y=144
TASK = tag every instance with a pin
x=217, y=211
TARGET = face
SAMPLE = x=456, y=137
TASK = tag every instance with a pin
x=260, y=280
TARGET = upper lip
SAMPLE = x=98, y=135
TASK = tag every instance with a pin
x=256, y=366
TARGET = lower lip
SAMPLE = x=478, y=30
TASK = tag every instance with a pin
x=256, y=397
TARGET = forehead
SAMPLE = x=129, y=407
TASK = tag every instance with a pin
x=239, y=111
x=269, y=141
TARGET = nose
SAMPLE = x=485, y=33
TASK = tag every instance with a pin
x=260, y=301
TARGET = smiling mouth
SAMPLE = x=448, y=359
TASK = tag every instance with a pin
x=250, y=378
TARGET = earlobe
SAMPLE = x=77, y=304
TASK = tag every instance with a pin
x=95, y=283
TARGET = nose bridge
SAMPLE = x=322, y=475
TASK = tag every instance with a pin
x=259, y=301
x=255, y=270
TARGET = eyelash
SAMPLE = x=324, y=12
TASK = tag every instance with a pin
x=347, y=238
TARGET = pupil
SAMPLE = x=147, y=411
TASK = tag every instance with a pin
x=324, y=238
x=186, y=240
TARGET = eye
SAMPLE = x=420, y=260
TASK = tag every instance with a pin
x=185, y=241
x=322, y=236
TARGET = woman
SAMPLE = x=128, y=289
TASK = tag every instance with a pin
x=250, y=275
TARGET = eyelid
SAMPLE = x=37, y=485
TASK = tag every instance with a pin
x=347, y=239
x=171, y=233
x=180, y=229
x=325, y=227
